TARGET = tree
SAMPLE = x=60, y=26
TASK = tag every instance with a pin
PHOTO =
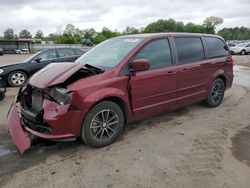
x=236, y=33
x=130, y=30
x=39, y=35
x=8, y=33
x=70, y=29
x=169, y=25
x=194, y=28
x=90, y=33
x=99, y=38
x=211, y=23
x=25, y=34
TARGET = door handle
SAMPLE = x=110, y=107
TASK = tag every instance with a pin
x=169, y=73
x=184, y=70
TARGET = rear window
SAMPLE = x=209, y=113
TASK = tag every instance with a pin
x=216, y=47
x=189, y=49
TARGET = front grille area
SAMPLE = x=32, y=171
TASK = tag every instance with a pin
x=31, y=106
x=42, y=128
x=32, y=98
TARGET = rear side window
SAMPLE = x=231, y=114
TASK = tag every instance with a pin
x=216, y=47
x=189, y=49
x=157, y=52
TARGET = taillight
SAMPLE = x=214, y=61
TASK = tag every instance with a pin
x=230, y=61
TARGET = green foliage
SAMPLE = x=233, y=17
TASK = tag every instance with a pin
x=130, y=31
x=73, y=35
x=211, y=23
x=237, y=33
x=171, y=25
x=8, y=33
x=25, y=34
x=39, y=35
x=99, y=38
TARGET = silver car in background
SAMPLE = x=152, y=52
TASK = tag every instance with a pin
x=242, y=49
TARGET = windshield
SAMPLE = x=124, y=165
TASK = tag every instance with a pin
x=31, y=57
x=109, y=53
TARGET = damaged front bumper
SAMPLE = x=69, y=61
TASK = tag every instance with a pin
x=18, y=134
x=53, y=122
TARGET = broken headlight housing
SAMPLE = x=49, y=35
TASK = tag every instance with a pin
x=60, y=95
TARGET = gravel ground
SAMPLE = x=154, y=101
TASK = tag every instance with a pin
x=193, y=146
x=242, y=60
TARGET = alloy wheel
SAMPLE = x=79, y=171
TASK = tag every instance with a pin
x=104, y=125
x=217, y=93
x=18, y=79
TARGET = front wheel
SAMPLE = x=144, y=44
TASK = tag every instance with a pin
x=17, y=78
x=216, y=93
x=103, y=124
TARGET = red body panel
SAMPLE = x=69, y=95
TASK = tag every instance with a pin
x=55, y=74
x=143, y=93
x=18, y=134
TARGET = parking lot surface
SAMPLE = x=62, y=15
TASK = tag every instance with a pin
x=193, y=146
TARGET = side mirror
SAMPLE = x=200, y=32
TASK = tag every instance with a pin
x=139, y=65
x=38, y=59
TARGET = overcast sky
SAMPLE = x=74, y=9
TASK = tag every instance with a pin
x=53, y=15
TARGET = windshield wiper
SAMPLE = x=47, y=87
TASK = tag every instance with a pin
x=97, y=69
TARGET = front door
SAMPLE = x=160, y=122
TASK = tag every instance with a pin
x=45, y=58
x=154, y=90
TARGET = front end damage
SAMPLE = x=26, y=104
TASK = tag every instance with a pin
x=35, y=113
x=47, y=111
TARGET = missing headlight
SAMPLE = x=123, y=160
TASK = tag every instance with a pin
x=59, y=95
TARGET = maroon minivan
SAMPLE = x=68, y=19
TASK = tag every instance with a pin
x=121, y=80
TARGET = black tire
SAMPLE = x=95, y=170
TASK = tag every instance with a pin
x=99, y=128
x=2, y=95
x=216, y=93
x=243, y=52
x=21, y=78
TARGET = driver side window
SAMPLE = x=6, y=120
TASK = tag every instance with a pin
x=47, y=55
x=157, y=53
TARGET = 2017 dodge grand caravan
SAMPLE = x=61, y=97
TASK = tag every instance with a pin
x=119, y=81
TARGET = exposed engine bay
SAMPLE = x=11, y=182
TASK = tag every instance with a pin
x=32, y=99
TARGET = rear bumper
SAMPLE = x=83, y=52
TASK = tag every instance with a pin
x=230, y=78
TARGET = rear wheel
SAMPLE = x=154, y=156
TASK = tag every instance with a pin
x=243, y=52
x=103, y=124
x=17, y=78
x=216, y=93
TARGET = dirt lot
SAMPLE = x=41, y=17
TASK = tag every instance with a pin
x=242, y=60
x=192, y=147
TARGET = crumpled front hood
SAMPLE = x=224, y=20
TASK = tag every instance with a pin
x=54, y=73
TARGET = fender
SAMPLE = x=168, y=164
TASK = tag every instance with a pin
x=217, y=73
x=101, y=94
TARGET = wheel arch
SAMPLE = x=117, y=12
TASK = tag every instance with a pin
x=219, y=74
x=115, y=95
x=26, y=72
x=120, y=103
x=224, y=79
